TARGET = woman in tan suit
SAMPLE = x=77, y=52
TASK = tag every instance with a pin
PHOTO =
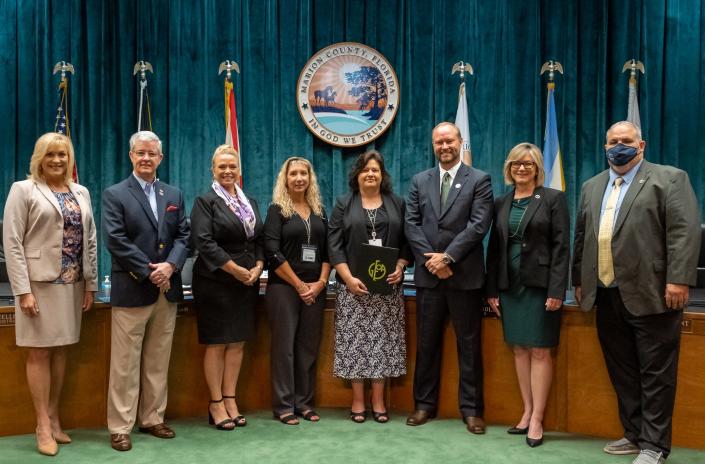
x=50, y=246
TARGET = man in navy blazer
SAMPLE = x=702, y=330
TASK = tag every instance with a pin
x=145, y=231
x=448, y=213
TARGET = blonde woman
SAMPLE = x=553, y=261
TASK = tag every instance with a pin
x=296, y=246
x=527, y=275
x=226, y=229
x=50, y=246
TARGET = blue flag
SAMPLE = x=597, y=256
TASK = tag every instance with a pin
x=552, y=161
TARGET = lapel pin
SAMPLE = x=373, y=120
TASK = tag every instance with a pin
x=537, y=196
x=641, y=181
x=161, y=192
x=457, y=186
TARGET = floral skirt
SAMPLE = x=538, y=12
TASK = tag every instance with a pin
x=370, y=341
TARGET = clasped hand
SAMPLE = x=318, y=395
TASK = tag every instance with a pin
x=437, y=266
x=308, y=292
x=247, y=277
x=161, y=273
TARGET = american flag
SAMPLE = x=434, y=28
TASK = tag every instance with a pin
x=62, y=125
x=231, y=133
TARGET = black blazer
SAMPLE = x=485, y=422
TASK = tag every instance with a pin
x=348, y=227
x=135, y=239
x=457, y=229
x=219, y=236
x=545, y=254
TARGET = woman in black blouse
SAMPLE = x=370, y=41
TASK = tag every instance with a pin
x=369, y=328
x=226, y=230
x=296, y=247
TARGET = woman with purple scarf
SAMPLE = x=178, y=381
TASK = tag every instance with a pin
x=226, y=230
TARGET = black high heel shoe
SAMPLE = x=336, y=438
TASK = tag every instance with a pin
x=534, y=442
x=222, y=425
x=518, y=431
x=240, y=420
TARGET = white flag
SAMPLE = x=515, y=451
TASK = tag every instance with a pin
x=633, y=109
x=463, y=123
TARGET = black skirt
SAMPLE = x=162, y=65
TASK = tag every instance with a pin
x=225, y=311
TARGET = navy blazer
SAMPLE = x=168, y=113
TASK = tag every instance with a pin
x=458, y=229
x=347, y=229
x=135, y=238
x=545, y=247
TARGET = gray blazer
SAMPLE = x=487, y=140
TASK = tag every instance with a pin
x=457, y=229
x=656, y=238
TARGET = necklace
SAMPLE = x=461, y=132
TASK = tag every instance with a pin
x=516, y=231
x=372, y=217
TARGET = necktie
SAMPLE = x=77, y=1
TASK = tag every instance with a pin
x=605, y=266
x=152, y=202
x=445, y=188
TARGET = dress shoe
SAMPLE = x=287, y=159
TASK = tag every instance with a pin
x=518, y=431
x=647, y=456
x=534, y=442
x=47, y=448
x=160, y=431
x=419, y=417
x=475, y=425
x=120, y=441
x=620, y=447
x=62, y=438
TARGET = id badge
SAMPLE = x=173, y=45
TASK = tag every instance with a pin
x=375, y=242
x=308, y=253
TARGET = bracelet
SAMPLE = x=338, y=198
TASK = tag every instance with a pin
x=303, y=285
x=324, y=282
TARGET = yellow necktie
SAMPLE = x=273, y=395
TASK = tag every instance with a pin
x=605, y=266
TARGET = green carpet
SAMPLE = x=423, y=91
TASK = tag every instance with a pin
x=335, y=439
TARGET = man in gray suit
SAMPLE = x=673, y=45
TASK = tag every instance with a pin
x=637, y=237
x=448, y=213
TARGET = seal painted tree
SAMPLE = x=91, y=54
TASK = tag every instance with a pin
x=369, y=86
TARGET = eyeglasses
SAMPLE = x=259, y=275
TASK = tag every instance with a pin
x=149, y=154
x=528, y=165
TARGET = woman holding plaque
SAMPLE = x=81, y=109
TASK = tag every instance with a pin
x=226, y=229
x=527, y=275
x=50, y=245
x=369, y=327
x=296, y=241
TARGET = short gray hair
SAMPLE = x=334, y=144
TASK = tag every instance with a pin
x=145, y=136
x=626, y=123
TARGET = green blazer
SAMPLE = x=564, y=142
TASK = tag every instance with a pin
x=656, y=238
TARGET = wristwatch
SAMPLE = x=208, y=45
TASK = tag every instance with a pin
x=447, y=259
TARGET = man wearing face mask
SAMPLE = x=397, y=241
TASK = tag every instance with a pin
x=637, y=237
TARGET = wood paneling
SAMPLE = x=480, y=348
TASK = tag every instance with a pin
x=581, y=400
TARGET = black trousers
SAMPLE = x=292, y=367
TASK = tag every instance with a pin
x=433, y=305
x=296, y=337
x=641, y=354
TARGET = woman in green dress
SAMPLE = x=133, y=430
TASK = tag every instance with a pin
x=527, y=275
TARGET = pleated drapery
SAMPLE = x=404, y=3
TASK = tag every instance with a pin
x=505, y=41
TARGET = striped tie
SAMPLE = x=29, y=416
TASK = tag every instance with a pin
x=605, y=266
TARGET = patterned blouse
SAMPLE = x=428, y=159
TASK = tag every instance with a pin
x=72, y=246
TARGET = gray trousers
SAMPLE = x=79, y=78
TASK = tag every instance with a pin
x=296, y=337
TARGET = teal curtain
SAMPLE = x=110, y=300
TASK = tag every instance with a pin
x=505, y=41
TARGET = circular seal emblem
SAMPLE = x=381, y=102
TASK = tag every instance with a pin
x=348, y=94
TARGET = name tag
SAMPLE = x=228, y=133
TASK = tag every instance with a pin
x=375, y=241
x=308, y=253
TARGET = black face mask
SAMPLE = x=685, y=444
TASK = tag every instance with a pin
x=621, y=154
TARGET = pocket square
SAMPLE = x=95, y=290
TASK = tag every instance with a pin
x=171, y=208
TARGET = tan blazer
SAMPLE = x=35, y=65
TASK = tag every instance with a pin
x=33, y=231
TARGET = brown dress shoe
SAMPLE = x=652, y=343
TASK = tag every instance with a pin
x=475, y=425
x=419, y=417
x=160, y=431
x=120, y=441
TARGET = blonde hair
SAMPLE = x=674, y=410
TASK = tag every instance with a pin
x=226, y=149
x=281, y=197
x=518, y=152
x=41, y=148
